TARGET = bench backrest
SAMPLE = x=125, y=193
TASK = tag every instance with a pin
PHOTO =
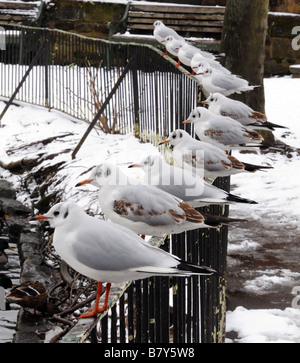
x=20, y=12
x=188, y=21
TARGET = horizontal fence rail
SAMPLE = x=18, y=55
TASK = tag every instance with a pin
x=75, y=75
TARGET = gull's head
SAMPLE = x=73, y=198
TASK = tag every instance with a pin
x=197, y=60
x=199, y=114
x=60, y=214
x=150, y=163
x=203, y=69
x=169, y=39
x=105, y=173
x=157, y=23
x=215, y=99
x=176, y=137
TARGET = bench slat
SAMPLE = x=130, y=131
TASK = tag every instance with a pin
x=18, y=5
x=165, y=17
x=15, y=17
x=178, y=9
x=179, y=28
x=187, y=24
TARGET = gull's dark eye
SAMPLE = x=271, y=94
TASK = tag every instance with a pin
x=174, y=136
x=56, y=213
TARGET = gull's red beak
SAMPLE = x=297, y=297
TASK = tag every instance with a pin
x=164, y=142
x=86, y=181
x=186, y=122
x=40, y=218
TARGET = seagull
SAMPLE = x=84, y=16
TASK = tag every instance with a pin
x=239, y=111
x=197, y=62
x=187, y=51
x=205, y=159
x=185, y=184
x=107, y=252
x=161, y=32
x=143, y=208
x=172, y=45
x=214, y=80
x=223, y=132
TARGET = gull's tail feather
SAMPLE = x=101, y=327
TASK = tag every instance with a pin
x=195, y=269
x=236, y=199
x=253, y=168
x=217, y=221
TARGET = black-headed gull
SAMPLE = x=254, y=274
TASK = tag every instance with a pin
x=197, y=62
x=214, y=80
x=187, y=51
x=196, y=155
x=107, y=252
x=239, y=111
x=145, y=209
x=223, y=132
x=185, y=184
x=161, y=32
x=172, y=45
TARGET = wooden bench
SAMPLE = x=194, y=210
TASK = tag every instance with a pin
x=26, y=13
x=202, y=24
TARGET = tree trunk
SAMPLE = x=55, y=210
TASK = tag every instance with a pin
x=243, y=42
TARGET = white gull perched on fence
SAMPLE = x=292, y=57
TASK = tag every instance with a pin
x=223, y=132
x=161, y=32
x=204, y=158
x=214, y=80
x=185, y=184
x=107, y=252
x=145, y=209
x=239, y=111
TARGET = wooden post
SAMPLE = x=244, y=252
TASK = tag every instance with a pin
x=243, y=42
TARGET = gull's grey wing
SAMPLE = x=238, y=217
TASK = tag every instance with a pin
x=111, y=247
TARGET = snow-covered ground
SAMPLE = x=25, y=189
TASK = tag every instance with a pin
x=277, y=191
x=273, y=240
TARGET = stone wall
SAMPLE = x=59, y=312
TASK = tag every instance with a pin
x=82, y=17
x=279, y=51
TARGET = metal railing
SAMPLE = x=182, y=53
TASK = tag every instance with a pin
x=75, y=75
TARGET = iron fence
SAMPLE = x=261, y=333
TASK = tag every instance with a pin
x=75, y=75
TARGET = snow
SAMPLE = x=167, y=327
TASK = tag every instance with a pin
x=271, y=280
x=278, y=194
x=277, y=191
x=265, y=326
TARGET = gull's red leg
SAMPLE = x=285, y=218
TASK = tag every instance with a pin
x=96, y=309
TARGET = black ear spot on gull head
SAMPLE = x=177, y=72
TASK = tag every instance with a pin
x=66, y=214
